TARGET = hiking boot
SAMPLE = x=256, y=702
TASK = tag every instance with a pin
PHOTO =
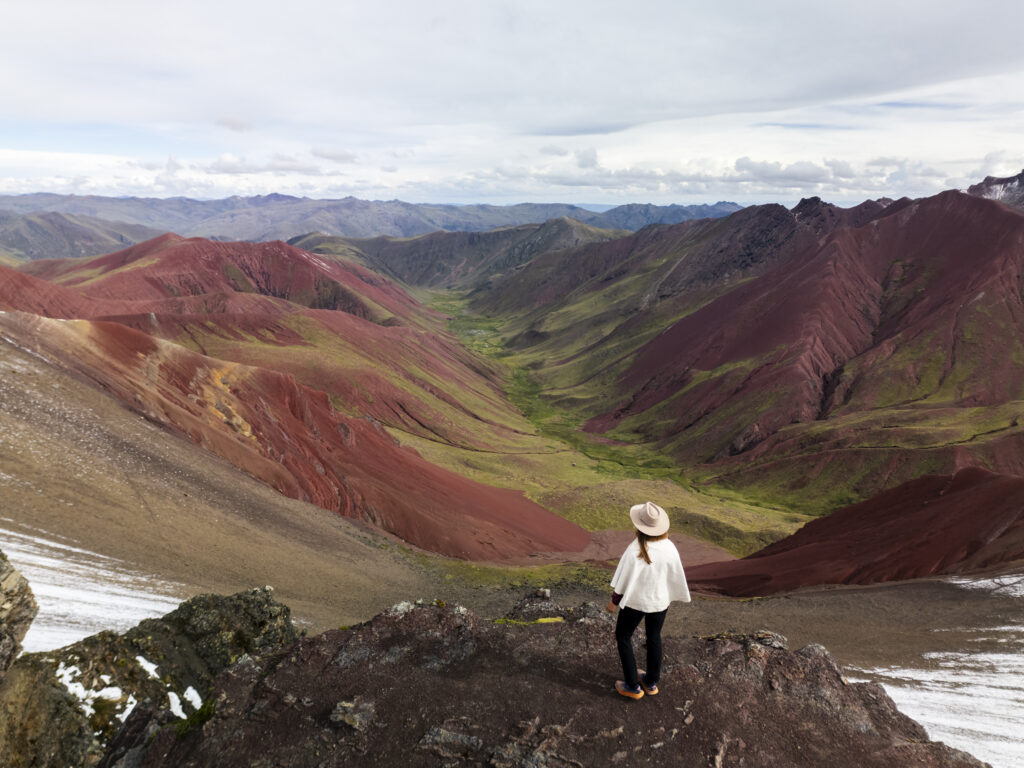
x=624, y=690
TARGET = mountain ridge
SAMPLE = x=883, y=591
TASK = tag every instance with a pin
x=46, y=235
x=460, y=260
x=762, y=350
x=281, y=217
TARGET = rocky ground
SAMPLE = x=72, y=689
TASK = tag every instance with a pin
x=63, y=707
x=438, y=685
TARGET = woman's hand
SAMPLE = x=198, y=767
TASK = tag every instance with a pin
x=611, y=607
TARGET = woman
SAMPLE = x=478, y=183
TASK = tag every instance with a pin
x=649, y=577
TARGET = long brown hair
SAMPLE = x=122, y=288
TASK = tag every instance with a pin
x=643, y=538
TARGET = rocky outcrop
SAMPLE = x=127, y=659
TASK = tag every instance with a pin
x=17, y=609
x=1008, y=190
x=437, y=685
x=61, y=708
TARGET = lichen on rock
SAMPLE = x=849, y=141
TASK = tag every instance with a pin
x=63, y=707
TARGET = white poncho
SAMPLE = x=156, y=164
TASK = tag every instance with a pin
x=650, y=587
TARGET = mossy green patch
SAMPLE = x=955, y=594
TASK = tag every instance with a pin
x=82, y=277
x=196, y=719
x=560, y=576
x=521, y=623
x=237, y=278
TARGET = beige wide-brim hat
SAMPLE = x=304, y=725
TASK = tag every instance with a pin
x=649, y=518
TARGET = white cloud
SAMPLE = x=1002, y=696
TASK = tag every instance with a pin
x=232, y=123
x=335, y=155
x=586, y=158
x=230, y=164
x=796, y=174
x=553, y=150
x=841, y=169
x=749, y=101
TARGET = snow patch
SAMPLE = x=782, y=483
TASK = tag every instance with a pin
x=192, y=697
x=176, y=709
x=69, y=678
x=971, y=700
x=79, y=592
x=149, y=666
x=1011, y=585
x=129, y=705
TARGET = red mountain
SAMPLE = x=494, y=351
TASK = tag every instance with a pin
x=292, y=339
x=170, y=267
x=969, y=522
x=332, y=324
x=881, y=352
x=290, y=437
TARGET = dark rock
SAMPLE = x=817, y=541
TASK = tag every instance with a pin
x=62, y=708
x=540, y=608
x=436, y=685
x=17, y=610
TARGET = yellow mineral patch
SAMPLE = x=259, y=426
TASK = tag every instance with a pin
x=219, y=399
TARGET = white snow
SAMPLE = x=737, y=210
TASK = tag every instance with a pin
x=80, y=592
x=129, y=705
x=68, y=677
x=149, y=666
x=971, y=701
x=192, y=697
x=176, y=709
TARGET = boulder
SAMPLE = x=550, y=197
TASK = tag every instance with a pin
x=61, y=708
x=17, y=610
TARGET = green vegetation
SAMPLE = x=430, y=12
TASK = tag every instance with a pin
x=589, y=479
x=561, y=576
x=521, y=623
x=237, y=278
x=83, y=277
x=906, y=423
x=196, y=719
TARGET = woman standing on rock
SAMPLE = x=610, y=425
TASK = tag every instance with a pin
x=649, y=577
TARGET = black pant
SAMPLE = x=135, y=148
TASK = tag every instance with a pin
x=629, y=620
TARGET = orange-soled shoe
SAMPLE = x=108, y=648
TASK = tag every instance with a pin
x=623, y=690
x=650, y=690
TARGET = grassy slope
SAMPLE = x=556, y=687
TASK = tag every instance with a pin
x=457, y=260
x=919, y=404
x=589, y=480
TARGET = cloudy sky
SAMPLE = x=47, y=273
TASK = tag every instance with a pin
x=478, y=101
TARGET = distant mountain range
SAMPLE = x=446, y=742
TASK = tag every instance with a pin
x=281, y=217
x=459, y=259
x=49, y=235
